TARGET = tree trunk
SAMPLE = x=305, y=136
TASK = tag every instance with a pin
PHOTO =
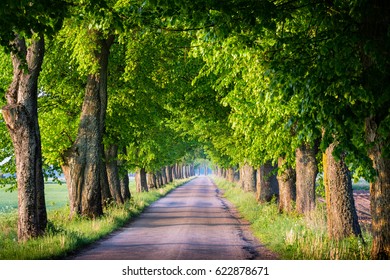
x=217, y=170
x=163, y=176
x=106, y=182
x=267, y=184
x=124, y=184
x=379, y=192
x=168, y=171
x=287, y=191
x=113, y=173
x=248, y=178
x=151, y=181
x=183, y=171
x=306, y=169
x=341, y=212
x=140, y=180
x=21, y=117
x=177, y=170
x=174, y=175
x=83, y=160
x=230, y=174
x=124, y=178
x=159, y=183
x=104, y=185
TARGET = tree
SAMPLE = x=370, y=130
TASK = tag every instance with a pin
x=306, y=173
x=23, y=34
x=267, y=184
x=89, y=34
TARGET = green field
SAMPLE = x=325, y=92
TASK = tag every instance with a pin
x=56, y=197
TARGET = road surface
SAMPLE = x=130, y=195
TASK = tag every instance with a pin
x=193, y=222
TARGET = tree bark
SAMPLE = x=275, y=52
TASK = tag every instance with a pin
x=174, y=175
x=306, y=173
x=106, y=182
x=140, y=180
x=267, y=184
x=151, y=180
x=168, y=171
x=287, y=191
x=83, y=160
x=248, y=178
x=163, y=176
x=230, y=174
x=341, y=213
x=124, y=178
x=104, y=185
x=379, y=192
x=111, y=155
x=237, y=175
x=21, y=117
x=158, y=176
x=176, y=171
x=124, y=184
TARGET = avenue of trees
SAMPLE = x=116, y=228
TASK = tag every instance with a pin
x=272, y=92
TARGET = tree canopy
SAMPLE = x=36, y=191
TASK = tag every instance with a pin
x=237, y=82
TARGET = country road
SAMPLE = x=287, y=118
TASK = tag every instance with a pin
x=193, y=222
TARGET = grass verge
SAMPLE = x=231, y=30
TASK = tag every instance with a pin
x=293, y=236
x=64, y=236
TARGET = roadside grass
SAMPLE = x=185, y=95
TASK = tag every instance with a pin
x=294, y=236
x=65, y=236
x=361, y=185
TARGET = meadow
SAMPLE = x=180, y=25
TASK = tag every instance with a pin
x=56, y=197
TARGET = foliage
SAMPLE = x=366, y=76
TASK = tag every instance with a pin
x=60, y=103
x=7, y=162
x=28, y=18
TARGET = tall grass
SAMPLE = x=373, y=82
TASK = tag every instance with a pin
x=294, y=236
x=65, y=236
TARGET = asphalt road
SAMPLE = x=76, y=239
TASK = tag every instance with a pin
x=193, y=222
